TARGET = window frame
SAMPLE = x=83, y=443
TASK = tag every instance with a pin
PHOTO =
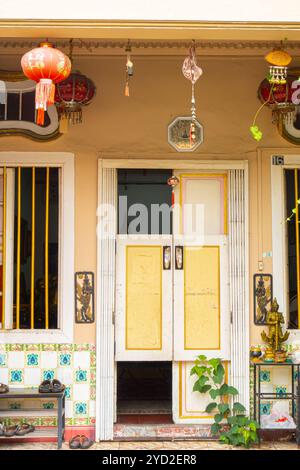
x=65, y=161
x=279, y=236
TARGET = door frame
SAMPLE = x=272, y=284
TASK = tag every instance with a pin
x=106, y=260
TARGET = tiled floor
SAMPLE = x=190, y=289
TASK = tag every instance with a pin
x=180, y=445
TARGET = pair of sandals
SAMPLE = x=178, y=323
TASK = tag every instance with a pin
x=51, y=386
x=80, y=442
x=16, y=430
x=4, y=388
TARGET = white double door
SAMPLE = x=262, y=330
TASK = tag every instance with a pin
x=171, y=298
x=172, y=292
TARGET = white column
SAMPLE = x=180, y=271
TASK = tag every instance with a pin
x=239, y=282
x=106, y=231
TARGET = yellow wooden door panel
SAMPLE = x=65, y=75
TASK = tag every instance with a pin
x=202, y=297
x=144, y=297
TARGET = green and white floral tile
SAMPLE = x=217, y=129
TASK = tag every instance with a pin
x=93, y=392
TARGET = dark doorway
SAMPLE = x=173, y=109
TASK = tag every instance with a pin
x=144, y=392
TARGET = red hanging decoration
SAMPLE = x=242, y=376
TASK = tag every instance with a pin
x=47, y=66
x=72, y=94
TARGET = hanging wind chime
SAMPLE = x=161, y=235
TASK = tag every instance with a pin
x=129, y=68
x=192, y=72
x=47, y=66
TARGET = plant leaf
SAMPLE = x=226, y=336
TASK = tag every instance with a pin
x=232, y=391
x=202, y=358
x=218, y=417
x=215, y=428
x=238, y=407
x=223, y=407
x=214, y=393
x=210, y=407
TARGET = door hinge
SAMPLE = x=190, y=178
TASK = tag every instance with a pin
x=114, y=349
x=231, y=317
x=113, y=317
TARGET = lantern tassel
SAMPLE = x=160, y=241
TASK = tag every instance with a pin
x=44, y=95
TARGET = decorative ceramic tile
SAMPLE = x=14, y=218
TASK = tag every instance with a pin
x=93, y=359
x=265, y=375
x=49, y=347
x=74, y=365
x=15, y=405
x=81, y=421
x=65, y=347
x=92, y=408
x=48, y=359
x=4, y=375
x=32, y=376
x=15, y=347
x=48, y=405
x=81, y=375
x=32, y=347
x=69, y=409
x=93, y=376
x=65, y=375
x=16, y=376
x=93, y=392
x=65, y=359
x=82, y=347
x=48, y=374
x=81, y=392
x=15, y=359
x=280, y=390
x=265, y=408
x=80, y=408
x=3, y=360
x=81, y=359
x=32, y=359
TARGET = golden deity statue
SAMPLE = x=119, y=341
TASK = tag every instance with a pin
x=276, y=335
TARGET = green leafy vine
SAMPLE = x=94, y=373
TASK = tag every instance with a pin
x=230, y=422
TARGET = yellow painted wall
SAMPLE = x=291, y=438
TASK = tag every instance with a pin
x=137, y=127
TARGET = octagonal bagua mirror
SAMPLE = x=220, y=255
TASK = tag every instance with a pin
x=179, y=134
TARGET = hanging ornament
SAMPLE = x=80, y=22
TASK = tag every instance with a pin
x=278, y=61
x=47, y=66
x=192, y=72
x=274, y=91
x=129, y=68
x=173, y=182
x=71, y=95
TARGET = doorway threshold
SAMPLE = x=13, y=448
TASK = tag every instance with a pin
x=163, y=432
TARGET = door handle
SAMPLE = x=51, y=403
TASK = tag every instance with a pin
x=178, y=257
x=166, y=257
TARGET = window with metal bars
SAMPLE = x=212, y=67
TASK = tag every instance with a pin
x=29, y=227
x=292, y=195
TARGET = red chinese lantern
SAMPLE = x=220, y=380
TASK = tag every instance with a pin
x=278, y=96
x=47, y=66
x=72, y=94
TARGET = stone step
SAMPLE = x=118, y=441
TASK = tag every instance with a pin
x=161, y=431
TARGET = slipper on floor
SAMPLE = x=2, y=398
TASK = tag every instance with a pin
x=74, y=443
x=10, y=431
x=4, y=388
x=85, y=442
x=24, y=429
